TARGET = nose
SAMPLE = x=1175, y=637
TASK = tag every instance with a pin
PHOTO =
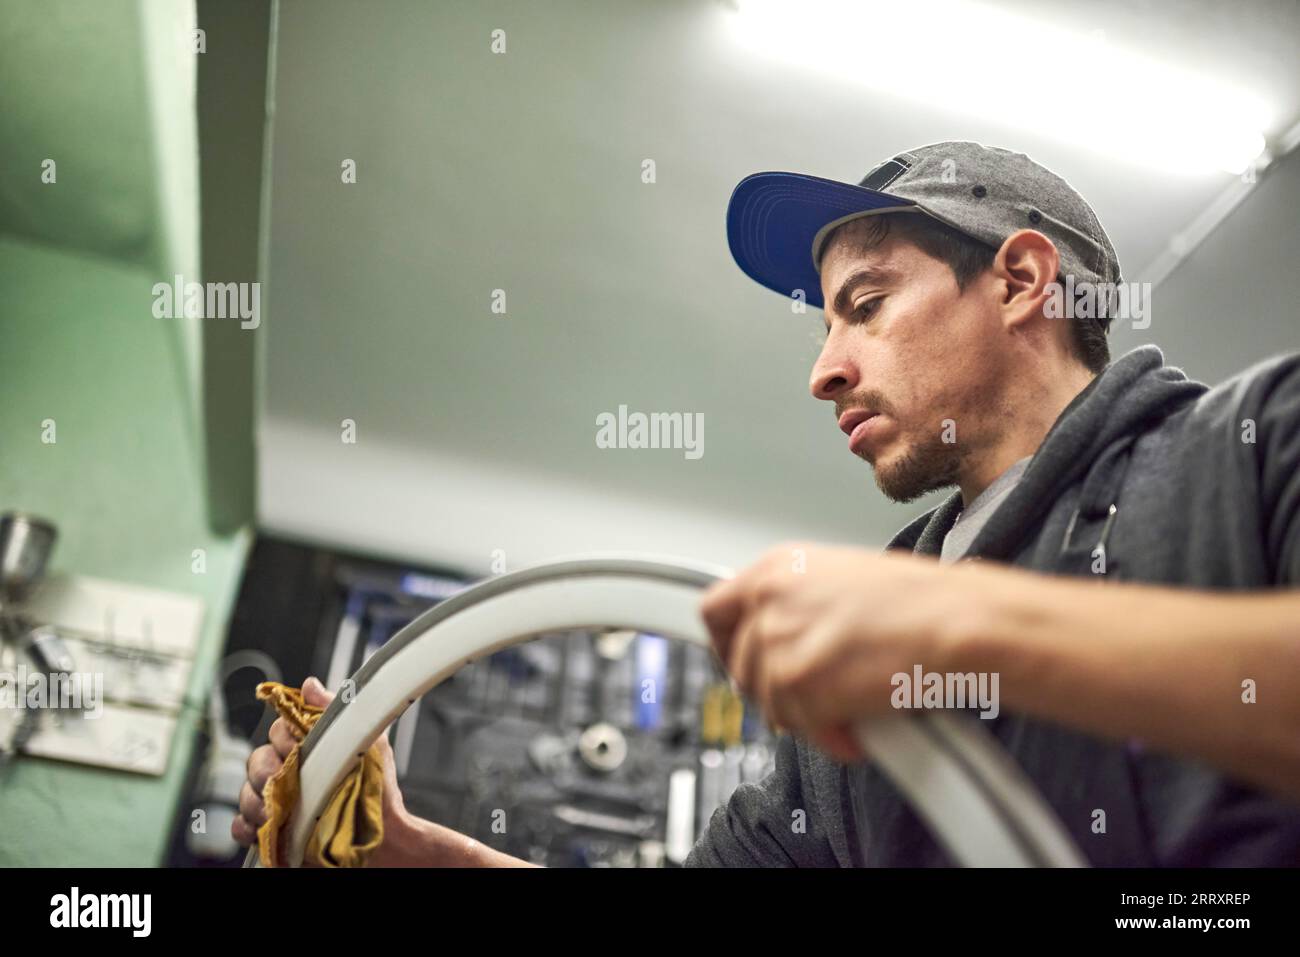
x=832, y=374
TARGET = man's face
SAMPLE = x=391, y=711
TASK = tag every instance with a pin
x=921, y=356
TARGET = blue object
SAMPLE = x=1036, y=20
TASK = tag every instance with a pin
x=433, y=587
x=773, y=218
x=651, y=680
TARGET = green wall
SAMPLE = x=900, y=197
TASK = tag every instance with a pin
x=106, y=88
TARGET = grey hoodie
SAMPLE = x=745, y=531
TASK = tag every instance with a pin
x=1206, y=487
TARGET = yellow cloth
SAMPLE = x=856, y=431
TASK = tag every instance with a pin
x=353, y=823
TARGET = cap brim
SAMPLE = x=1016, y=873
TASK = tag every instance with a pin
x=774, y=218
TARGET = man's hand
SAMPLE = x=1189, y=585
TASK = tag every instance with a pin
x=265, y=761
x=409, y=841
x=814, y=635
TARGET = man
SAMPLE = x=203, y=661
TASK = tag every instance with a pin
x=946, y=367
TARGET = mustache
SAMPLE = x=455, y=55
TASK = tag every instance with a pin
x=863, y=400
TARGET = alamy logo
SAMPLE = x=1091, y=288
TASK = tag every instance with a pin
x=1099, y=300
x=78, y=690
x=133, y=911
x=948, y=690
x=213, y=300
x=657, y=430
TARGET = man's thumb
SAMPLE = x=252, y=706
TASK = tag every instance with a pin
x=314, y=693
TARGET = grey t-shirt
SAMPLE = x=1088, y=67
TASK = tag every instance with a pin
x=974, y=515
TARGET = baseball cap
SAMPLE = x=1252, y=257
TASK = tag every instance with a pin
x=778, y=223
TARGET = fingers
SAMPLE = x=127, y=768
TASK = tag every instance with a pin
x=810, y=682
x=798, y=678
x=251, y=807
x=252, y=815
x=736, y=613
x=243, y=832
x=726, y=604
x=281, y=738
x=767, y=697
x=314, y=693
x=722, y=607
x=746, y=655
x=263, y=763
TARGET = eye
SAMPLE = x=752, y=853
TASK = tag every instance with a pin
x=867, y=308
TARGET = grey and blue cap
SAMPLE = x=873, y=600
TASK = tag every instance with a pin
x=778, y=223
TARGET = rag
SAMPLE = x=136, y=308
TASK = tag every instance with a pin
x=352, y=825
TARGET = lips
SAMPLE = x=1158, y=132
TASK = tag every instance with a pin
x=853, y=418
x=858, y=424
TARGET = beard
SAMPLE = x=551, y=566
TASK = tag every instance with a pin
x=922, y=468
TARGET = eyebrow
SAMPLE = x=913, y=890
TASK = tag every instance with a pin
x=879, y=275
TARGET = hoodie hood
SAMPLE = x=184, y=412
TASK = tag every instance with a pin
x=1089, y=441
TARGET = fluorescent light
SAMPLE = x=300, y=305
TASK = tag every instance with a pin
x=1070, y=85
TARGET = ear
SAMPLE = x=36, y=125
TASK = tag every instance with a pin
x=1025, y=265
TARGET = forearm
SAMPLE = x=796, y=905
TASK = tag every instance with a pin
x=415, y=842
x=1163, y=665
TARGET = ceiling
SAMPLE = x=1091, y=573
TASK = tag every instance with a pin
x=523, y=172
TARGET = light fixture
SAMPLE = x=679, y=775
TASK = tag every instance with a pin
x=1072, y=85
